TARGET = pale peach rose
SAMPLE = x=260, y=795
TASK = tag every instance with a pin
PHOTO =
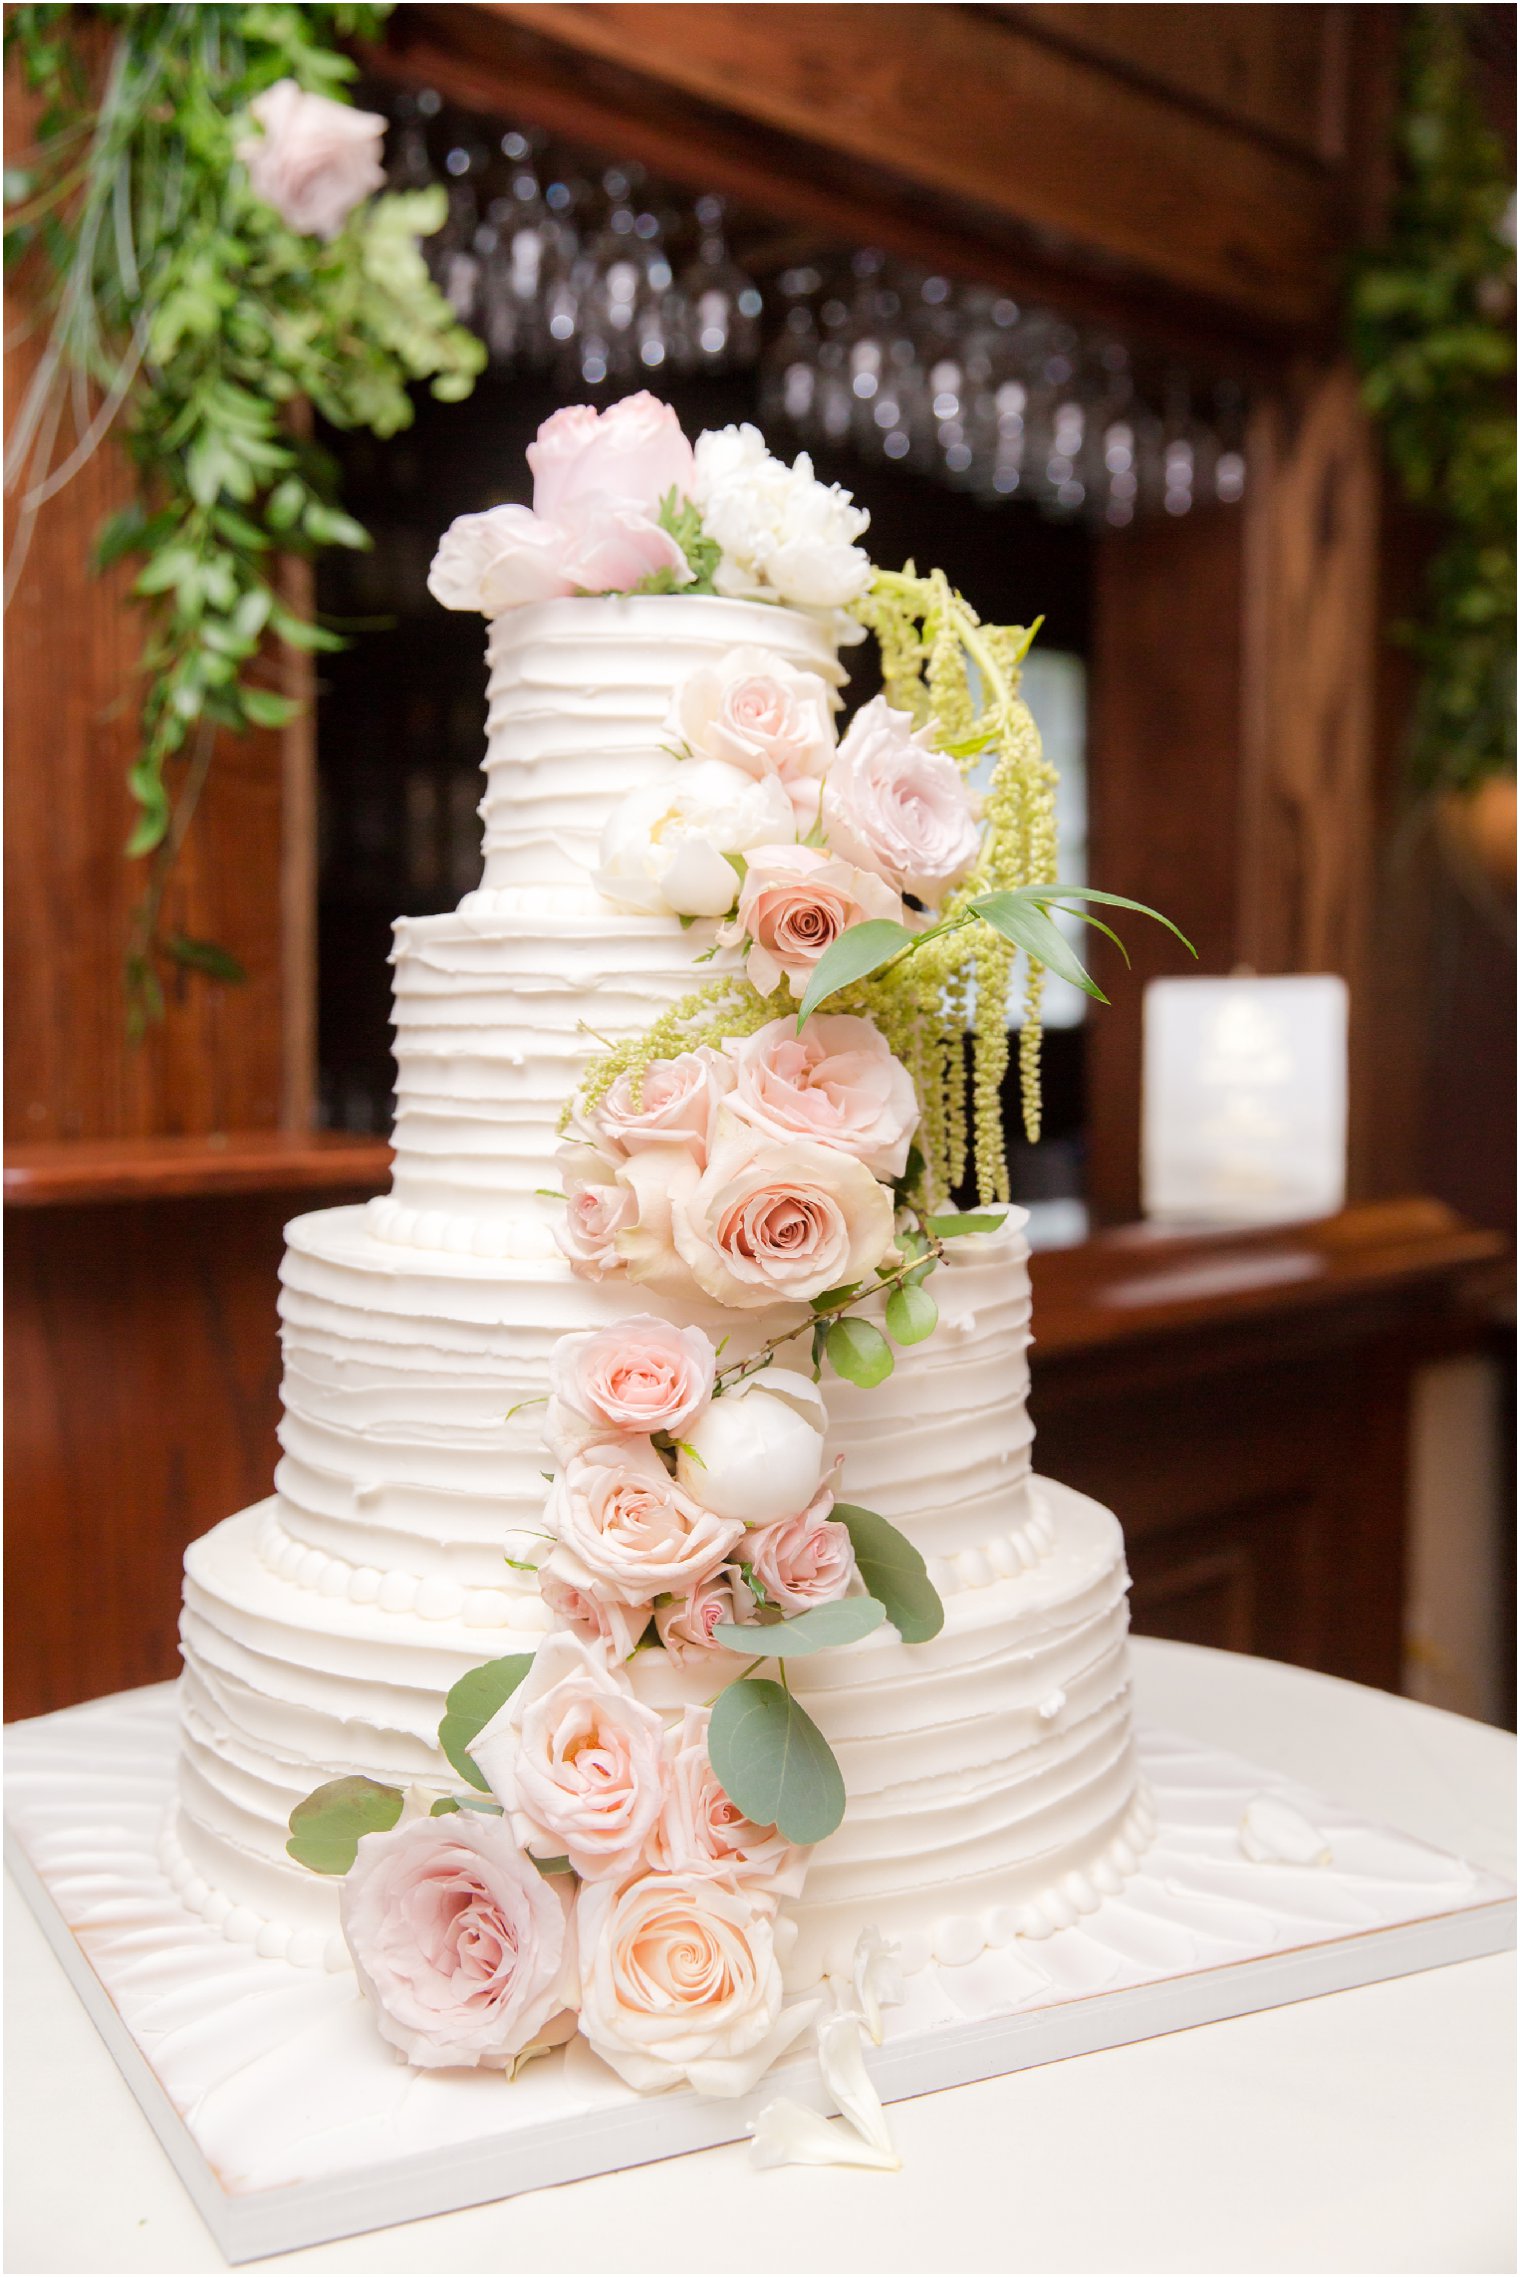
x=315, y=159
x=794, y=903
x=597, y=1212
x=805, y=1560
x=685, y=1624
x=576, y=1761
x=678, y=1101
x=768, y=1224
x=757, y=1452
x=631, y=1528
x=837, y=1084
x=567, y=1589
x=462, y=1946
x=756, y=711
x=641, y=1374
x=898, y=806
x=681, y=1985
x=633, y=451
x=700, y=1831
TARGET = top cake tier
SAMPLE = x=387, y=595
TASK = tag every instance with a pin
x=579, y=695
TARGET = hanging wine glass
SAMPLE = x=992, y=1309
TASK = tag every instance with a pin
x=720, y=305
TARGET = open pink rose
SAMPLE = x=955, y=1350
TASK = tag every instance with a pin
x=836, y=1084
x=803, y=1561
x=685, y=1625
x=898, y=806
x=634, y=451
x=794, y=903
x=462, y=1947
x=700, y=1831
x=756, y=711
x=772, y=1224
x=499, y=560
x=680, y=1983
x=609, y=546
x=640, y=1375
x=678, y=1101
x=315, y=159
x=576, y=1761
x=597, y=1211
x=631, y=1528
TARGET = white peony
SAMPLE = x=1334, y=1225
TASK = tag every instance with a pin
x=666, y=847
x=757, y=1453
x=784, y=535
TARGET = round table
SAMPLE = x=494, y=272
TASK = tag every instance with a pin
x=1367, y=2130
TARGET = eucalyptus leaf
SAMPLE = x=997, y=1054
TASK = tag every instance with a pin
x=912, y=1314
x=471, y=1704
x=858, y=952
x=859, y=1352
x=894, y=1572
x=819, y=1629
x=326, y=1829
x=773, y=1762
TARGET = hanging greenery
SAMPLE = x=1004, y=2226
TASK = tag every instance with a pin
x=197, y=315
x=1432, y=326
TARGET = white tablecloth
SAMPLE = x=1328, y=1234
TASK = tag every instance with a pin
x=1370, y=2130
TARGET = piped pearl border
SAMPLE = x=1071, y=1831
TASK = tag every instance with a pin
x=430, y=1598
x=272, y=1940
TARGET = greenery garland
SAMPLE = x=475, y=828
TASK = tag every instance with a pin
x=1432, y=326
x=183, y=307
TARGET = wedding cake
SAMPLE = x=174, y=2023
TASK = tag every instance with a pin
x=657, y=1616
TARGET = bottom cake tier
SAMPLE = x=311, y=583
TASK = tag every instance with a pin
x=992, y=1779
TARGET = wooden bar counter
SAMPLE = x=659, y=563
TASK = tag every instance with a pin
x=1240, y=1398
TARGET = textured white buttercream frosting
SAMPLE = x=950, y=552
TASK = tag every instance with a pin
x=992, y=1781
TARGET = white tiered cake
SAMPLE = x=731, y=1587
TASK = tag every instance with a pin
x=991, y=1775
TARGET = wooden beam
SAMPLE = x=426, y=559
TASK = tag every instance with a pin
x=981, y=111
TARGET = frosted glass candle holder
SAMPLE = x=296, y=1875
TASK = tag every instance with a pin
x=1245, y=1099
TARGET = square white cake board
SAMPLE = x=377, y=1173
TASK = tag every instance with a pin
x=290, y=2123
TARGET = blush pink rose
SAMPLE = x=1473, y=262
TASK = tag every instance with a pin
x=756, y=711
x=678, y=1101
x=567, y=1589
x=685, y=1625
x=770, y=1224
x=794, y=903
x=499, y=560
x=315, y=159
x=597, y=1212
x=462, y=1947
x=631, y=1528
x=837, y=1084
x=608, y=546
x=803, y=1561
x=640, y=1375
x=576, y=1761
x=681, y=1984
x=634, y=451
x=898, y=806
x=700, y=1831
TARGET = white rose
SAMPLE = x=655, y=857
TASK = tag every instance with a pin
x=767, y=1224
x=315, y=159
x=757, y=1452
x=783, y=535
x=577, y=1763
x=896, y=805
x=666, y=847
x=498, y=560
x=754, y=710
x=680, y=1983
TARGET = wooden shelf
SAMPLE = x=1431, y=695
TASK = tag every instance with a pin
x=1141, y=1283
x=233, y=1162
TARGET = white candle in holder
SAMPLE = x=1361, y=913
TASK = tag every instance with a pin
x=1245, y=1099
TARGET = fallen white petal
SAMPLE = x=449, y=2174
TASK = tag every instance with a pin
x=1271, y=1829
x=877, y=1977
x=841, y=2059
x=792, y=2134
